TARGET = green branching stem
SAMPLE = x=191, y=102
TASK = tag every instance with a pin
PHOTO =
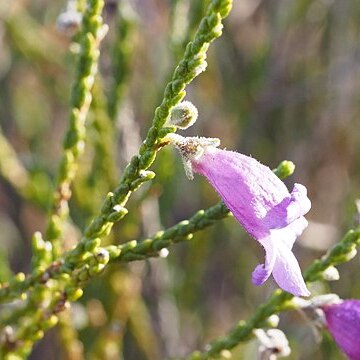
x=92, y=266
x=132, y=250
x=87, y=259
x=98, y=258
x=280, y=300
x=192, y=64
x=95, y=263
x=92, y=31
x=20, y=343
x=182, y=231
x=135, y=174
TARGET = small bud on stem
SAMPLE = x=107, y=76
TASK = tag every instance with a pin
x=183, y=115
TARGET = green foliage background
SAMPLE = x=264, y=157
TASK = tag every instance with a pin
x=282, y=83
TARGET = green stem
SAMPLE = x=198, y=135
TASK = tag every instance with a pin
x=131, y=250
x=74, y=141
x=279, y=301
x=182, y=231
x=87, y=259
x=135, y=174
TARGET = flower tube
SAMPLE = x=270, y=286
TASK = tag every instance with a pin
x=259, y=200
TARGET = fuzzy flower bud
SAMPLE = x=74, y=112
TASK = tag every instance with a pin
x=259, y=200
x=183, y=115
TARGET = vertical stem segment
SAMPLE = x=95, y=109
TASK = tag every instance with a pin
x=90, y=36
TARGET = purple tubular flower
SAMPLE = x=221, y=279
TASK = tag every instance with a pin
x=343, y=322
x=261, y=203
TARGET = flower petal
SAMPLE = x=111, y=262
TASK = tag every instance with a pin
x=290, y=233
x=280, y=260
x=290, y=209
x=299, y=204
x=263, y=271
x=287, y=273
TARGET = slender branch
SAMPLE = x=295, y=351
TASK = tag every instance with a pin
x=87, y=259
x=135, y=174
x=91, y=34
x=44, y=316
x=182, y=231
x=280, y=300
x=130, y=251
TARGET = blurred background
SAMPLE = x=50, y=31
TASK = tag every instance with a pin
x=283, y=82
